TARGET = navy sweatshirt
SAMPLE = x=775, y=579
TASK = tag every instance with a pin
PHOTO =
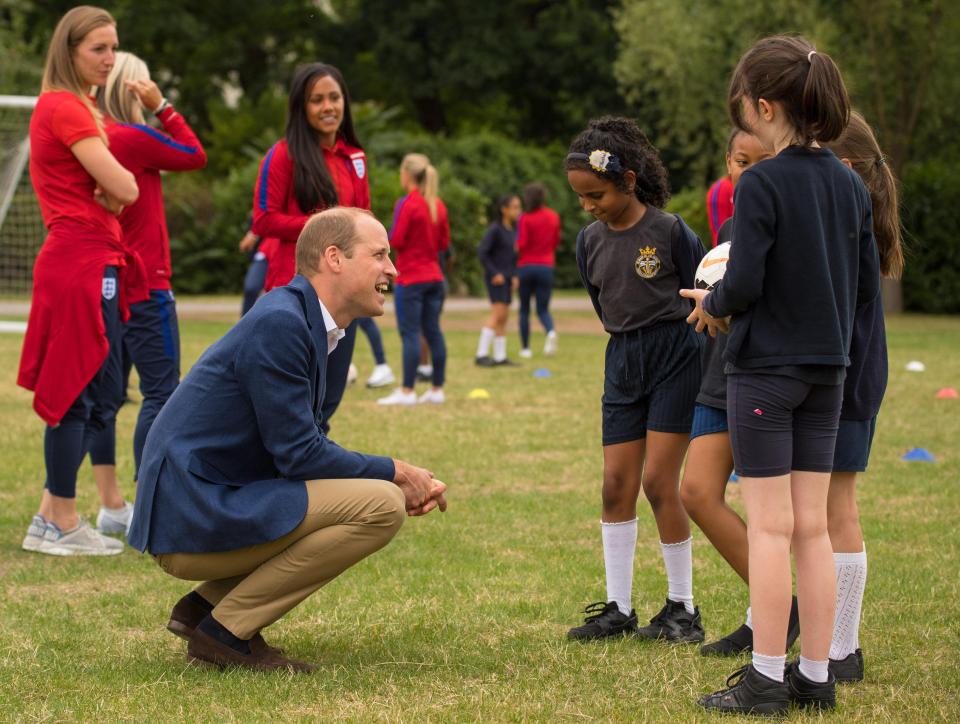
x=497, y=251
x=803, y=261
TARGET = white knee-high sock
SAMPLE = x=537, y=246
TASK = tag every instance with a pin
x=486, y=338
x=619, y=545
x=499, y=348
x=678, y=559
x=851, y=571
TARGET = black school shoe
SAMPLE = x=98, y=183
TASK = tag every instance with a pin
x=810, y=694
x=483, y=361
x=603, y=621
x=741, y=640
x=674, y=623
x=749, y=692
x=849, y=669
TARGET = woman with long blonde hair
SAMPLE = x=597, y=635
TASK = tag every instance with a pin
x=70, y=354
x=420, y=232
x=150, y=337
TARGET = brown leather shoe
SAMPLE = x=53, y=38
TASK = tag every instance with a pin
x=187, y=615
x=205, y=649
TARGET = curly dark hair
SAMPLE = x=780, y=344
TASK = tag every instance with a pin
x=623, y=138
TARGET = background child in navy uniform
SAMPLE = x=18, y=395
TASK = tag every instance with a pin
x=498, y=255
x=710, y=459
x=632, y=261
x=863, y=392
x=803, y=260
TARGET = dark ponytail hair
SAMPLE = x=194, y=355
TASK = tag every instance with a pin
x=312, y=183
x=859, y=146
x=534, y=196
x=807, y=83
x=623, y=138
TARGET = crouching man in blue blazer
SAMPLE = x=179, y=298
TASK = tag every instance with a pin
x=240, y=488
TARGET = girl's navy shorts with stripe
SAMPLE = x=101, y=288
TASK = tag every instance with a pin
x=651, y=381
x=854, y=440
x=498, y=293
x=708, y=420
x=780, y=423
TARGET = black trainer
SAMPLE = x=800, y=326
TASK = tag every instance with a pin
x=849, y=669
x=603, y=620
x=733, y=644
x=810, y=694
x=674, y=623
x=483, y=361
x=741, y=640
x=505, y=362
x=749, y=692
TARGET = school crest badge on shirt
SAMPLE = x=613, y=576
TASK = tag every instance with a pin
x=109, y=288
x=648, y=263
x=359, y=165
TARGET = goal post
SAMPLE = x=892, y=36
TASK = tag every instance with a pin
x=21, y=225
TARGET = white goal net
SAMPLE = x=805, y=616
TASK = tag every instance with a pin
x=21, y=226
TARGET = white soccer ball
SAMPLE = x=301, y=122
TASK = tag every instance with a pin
x=712, y=266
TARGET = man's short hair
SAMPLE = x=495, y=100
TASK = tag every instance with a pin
x=331, y=227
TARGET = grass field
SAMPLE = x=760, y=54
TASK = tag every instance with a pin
x=463, y=617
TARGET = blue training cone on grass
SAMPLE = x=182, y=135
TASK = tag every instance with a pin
x=542, y=372
x=919, y=455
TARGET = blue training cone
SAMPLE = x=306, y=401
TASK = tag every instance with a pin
x=542, y=372
x=919, y=455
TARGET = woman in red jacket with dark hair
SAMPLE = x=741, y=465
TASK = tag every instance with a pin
x=151, y=336
x=81, y=277
x=317, y=164
x=537, y=241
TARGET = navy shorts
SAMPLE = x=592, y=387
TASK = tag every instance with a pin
x=779, y=424
x=651, y=381
x=499, y=293
x=854, y=440
x=708, y=420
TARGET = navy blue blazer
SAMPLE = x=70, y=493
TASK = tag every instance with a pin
x=225, y=461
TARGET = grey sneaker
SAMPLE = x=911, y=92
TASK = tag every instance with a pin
x=81, y=541
x=115, y=520
x=33, y=540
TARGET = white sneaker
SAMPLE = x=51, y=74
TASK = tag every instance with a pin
x=81, y=541
x=352, y=374
x=399, y=397
x=434, y=396
x=526, y=353
x=381, y=376
x=33, y=540
x=551, y=346
x=115, y=520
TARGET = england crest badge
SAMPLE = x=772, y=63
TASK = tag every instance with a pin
x=360, y=166
x=109, y=288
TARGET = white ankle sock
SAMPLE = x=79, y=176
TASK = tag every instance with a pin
x=851, y=571
x=619, y=544
x=818, y=671
x=749, y=622
x=770, y=666
x=486, y=338
x=499, y=348
x=678, y=558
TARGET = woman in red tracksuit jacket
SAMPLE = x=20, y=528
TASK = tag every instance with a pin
x=420, y=232
x=538, y=237
x=317, y=164
x=151, y=337
x=81, y=278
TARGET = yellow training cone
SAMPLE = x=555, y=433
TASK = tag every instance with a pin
x=478, y=394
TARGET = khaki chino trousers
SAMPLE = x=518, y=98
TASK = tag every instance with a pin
x=251, y=588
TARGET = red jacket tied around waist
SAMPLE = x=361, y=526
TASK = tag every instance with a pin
x=65, y=344
x=277, y=216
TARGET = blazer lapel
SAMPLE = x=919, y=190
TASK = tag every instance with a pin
x=318, y=331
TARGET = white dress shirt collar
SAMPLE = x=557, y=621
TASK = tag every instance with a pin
x=334, y=333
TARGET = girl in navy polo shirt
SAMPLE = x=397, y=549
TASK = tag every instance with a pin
x=498, y=255
x=803, y=261
x=633, y=260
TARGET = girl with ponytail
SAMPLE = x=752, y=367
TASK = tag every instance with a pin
x=803, y=262
x=420, y=232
